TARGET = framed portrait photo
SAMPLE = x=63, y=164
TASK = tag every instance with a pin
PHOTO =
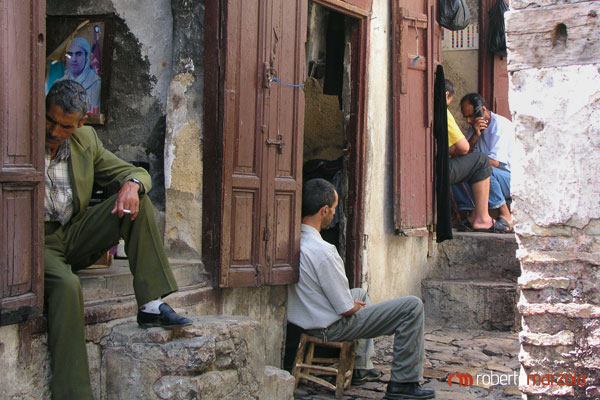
x=79, y=48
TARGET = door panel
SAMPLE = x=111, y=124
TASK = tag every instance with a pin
x=412, y=73
x=21, y=158
x=258, y=157
x=285, y=107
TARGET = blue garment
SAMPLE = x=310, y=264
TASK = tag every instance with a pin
x=499, y=191
x=496, y=140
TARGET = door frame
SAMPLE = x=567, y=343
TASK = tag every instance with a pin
x=356, y=166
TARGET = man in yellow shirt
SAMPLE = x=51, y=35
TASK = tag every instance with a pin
x=473, y=168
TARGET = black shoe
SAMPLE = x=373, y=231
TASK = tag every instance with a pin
x=166, y=319
x=361, y=376
x=408, y=390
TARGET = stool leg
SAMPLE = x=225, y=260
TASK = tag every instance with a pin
x=299, y=358
x=340, y=378
x=351, y=359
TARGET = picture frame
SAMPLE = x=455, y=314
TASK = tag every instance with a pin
x=80, y=48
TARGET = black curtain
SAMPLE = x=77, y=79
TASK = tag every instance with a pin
x=334, y=56
x=442, y=179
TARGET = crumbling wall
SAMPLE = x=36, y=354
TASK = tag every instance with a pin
x=183, y=147
x=554, y=71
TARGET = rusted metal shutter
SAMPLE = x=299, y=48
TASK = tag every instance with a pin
x=260, y=137
x=415, y=46
x=22, y=48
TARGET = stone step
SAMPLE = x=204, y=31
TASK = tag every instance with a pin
x=481, y=256
x=218, y=357
x=470, y=304
x=117, y=281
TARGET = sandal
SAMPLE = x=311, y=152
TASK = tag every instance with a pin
x=497, y=227
x=506, y=226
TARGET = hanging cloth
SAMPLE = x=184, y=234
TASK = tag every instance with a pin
x=334, y=56
x=442, y=177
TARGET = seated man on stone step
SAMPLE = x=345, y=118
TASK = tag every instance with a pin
x=492, y=135
x=473, y=169
x=322, y=304
x=76, y=236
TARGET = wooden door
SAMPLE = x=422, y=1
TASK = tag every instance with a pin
x=253, y=232
x=415, y=48
x=22, y=55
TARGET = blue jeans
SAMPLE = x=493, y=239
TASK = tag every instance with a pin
x=499, y=191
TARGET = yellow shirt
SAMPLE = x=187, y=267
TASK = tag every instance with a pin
x=454, y=133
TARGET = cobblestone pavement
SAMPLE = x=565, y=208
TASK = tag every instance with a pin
x=488, y=356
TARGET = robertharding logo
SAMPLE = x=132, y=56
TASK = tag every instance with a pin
x=464, y=379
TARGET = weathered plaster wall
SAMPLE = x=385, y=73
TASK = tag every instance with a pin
x=554, y=94
x=462, y=68
x=22, y=380
x=140, y=74
x=266, y=305
x=183, y=147
x=394, y=265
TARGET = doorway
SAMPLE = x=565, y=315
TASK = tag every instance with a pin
x=333, y=122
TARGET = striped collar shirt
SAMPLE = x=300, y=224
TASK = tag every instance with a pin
x=58, y=201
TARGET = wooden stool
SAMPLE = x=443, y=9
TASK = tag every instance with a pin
x=307, y=369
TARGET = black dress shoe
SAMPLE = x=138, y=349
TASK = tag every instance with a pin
x=166, y=319
x=407, y=390
x=361, y=376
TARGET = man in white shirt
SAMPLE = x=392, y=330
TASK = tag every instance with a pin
x=322, y=304
x=492, y=135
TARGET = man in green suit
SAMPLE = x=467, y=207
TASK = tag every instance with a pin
x=76, y=236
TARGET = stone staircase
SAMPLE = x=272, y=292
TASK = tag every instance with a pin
x=474, y=284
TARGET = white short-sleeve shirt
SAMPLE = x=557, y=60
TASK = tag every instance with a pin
x=322, y=293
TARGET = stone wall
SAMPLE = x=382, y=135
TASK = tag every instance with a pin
x=554, y=71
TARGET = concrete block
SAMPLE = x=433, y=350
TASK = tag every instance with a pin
x=470, y=304
x=215, y=358
x=278, y=384
x=477, y=256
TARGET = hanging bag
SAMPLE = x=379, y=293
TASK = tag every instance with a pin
x=497, y=32
x=453, y=14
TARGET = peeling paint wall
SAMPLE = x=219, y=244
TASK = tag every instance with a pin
x=183, y=146
x=394, y=265
x=140, y=75
x=554, y=95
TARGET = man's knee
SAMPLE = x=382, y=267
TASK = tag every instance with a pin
x=414, y=304
x=482, y=168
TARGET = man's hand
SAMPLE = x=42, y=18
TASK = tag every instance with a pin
x=357, y=306
x=128, y=201
x=479, y=125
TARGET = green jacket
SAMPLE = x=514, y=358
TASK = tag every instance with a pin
x=90, y=162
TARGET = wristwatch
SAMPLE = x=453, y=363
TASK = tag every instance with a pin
x=141, y=190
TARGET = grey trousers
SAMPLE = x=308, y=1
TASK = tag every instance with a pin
x=402, y=317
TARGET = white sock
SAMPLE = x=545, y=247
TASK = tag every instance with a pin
x=151, y=307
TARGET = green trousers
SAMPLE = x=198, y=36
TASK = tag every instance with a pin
x=75, y=246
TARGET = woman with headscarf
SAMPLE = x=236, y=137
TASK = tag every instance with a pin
x=78, y=69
